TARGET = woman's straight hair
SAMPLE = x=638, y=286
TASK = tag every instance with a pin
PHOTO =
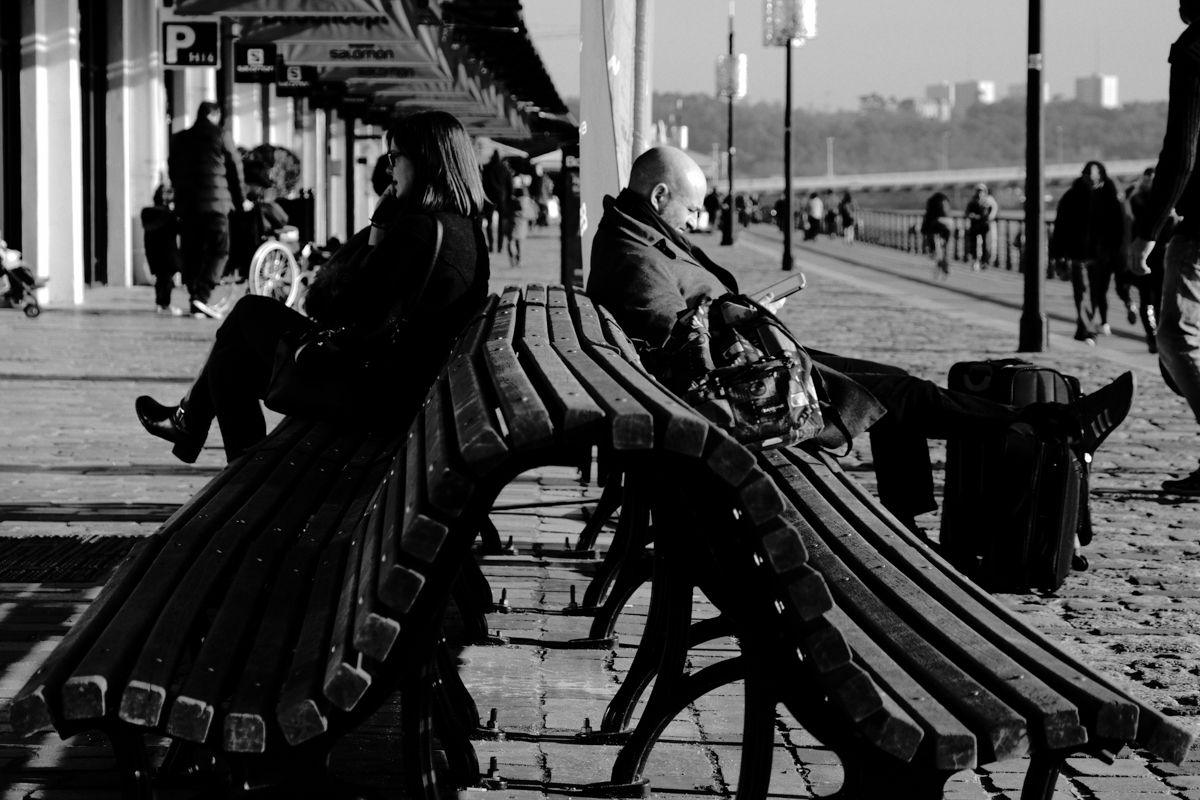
x=445, y=169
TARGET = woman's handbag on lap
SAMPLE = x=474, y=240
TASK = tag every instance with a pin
x=336, y=374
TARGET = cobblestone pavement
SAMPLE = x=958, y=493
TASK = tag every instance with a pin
x=69, y=442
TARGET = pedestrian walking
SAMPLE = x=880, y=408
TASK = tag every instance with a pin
x=160, y=235
x=407, y=296
x=497, y=185
x=525, y=212
x=981, y=227
x=1088, y=245
x=712, y=206
x=848, y=210
x=937, y=226
x=1149, y=286
x=814, y=210
x=831, y=213
x=1177, y=186
x=206, y=174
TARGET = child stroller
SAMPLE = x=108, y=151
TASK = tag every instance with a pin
x=17, y=283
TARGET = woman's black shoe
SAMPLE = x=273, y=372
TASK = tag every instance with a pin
x=169, y=422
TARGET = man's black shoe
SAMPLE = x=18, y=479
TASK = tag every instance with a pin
x=1189, y=486
x=170, y=423
x=1100, y=412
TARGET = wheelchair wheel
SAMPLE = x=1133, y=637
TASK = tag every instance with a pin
x=275, y=273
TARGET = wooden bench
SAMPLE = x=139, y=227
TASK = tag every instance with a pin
x=291, y=597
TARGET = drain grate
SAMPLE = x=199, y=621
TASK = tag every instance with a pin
x=65, y=559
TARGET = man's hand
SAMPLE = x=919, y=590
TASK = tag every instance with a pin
x=771, y=304
x=1138, y=253
x=247, y=205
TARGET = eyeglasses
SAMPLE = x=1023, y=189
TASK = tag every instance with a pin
x=393, y=156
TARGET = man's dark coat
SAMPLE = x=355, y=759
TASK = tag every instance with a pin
x=646, y=280
x=205, y=171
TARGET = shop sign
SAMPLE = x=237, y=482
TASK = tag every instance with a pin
x=327, y=94
x=292, y=80
x=191, y=43
x=253, y=63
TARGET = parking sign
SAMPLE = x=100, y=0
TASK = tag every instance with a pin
x=191, y=43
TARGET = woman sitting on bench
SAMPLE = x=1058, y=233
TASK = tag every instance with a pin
x=377, y=285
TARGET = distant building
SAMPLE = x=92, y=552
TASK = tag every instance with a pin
x=1019, y=91
x=1097, y=90
x=969, y=93
x=941, y=92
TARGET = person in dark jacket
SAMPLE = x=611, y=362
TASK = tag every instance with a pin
x=1089, y=242
x=938, y=226
x=848, y=211
x=647, y=274
x=1177, y=189
x=160, y=235
x=498, y=187
x=1149, y=286
x=206, y=175
x=435, y=179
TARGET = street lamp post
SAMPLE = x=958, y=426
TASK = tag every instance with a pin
x=731, y=83
x=788, y=24
x=1058, y=128
x=829, y=155
x=1034, y=331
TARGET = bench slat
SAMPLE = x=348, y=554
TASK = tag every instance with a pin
x=449, y=484
x=37, y=705
x=480, y=437
x=374, y=630
x=476, y=329
x=1157, y=732
x=302, y=707
x=576, y=416
x=303, y=711
x=995, y=724
x=951, y=744
x=683, y=431
x=232, y=631
x=525, y=415
x=630, y=425
x=251, y=708
x=345, y=679
x=1109, y=714
x=145, y=693
x=419, y=538
x=95, y=682
x=1051, y=715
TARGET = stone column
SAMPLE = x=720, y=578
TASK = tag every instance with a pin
x=136, y=140
x=52, y=148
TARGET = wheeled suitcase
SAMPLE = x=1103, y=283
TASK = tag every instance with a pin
x=1014, y=506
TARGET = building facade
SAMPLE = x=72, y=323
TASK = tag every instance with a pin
x=1099, y=91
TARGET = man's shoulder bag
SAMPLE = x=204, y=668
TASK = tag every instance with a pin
x=334, y=374
x=739, y=366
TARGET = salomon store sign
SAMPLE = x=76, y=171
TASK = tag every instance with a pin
x=191, y=43
x=253, y=63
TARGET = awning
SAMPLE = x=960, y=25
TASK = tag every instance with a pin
x=472, y=58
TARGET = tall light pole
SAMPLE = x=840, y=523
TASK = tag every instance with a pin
x=1033, y=330
x=829, y=155
x=946, y=151
x=731, y=83
x=788, y=24
x=1058, y=128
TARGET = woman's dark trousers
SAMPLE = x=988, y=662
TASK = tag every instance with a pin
x=236, y=373
x=917, y=410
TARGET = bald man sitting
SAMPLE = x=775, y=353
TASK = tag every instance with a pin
x=647, y=273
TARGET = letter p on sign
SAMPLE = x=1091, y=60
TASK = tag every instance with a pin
x=178, y=37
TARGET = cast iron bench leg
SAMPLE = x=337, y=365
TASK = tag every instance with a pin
x=489, y=538
x=1041, y=777
x=629, y=580
x=631, y=537
x=609, y=502
x=458, y=698
x=133, y=765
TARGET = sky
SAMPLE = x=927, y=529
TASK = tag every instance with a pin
x=890, y=47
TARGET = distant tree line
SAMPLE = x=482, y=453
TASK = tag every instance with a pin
x=889, y=136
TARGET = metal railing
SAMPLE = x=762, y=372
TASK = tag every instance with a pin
x=901, y=230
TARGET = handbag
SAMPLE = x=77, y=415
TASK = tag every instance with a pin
x=739, y=366
x=330, y=374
